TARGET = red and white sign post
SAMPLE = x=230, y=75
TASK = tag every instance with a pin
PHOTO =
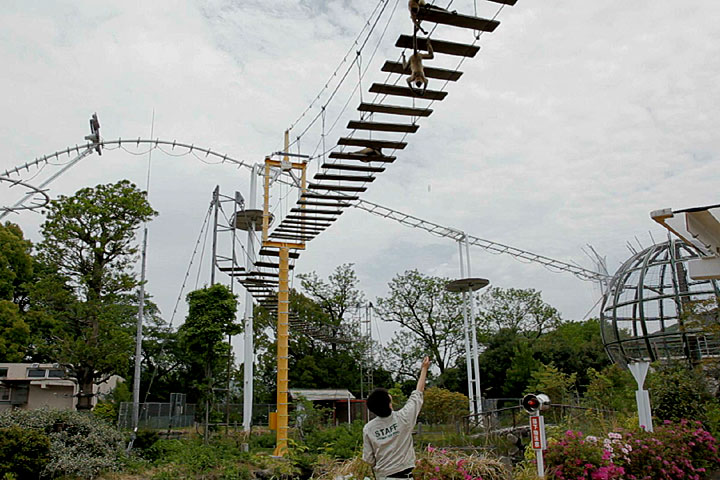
x=538, y=441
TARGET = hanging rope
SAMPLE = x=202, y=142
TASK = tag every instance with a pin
x=323, y=133
x=335, y=73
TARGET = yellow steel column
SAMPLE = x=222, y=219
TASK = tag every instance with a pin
x=283, y=334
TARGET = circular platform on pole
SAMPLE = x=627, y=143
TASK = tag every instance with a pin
x=244, y=220
x=467, y=284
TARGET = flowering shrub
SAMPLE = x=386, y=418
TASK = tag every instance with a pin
x=674, y=451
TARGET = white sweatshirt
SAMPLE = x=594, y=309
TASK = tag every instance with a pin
x=388, y=442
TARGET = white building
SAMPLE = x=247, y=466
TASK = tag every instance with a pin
x=37, y=385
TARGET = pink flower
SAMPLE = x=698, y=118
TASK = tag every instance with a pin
x=437, y=469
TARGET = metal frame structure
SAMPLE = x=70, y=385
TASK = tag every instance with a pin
x=654, y=311
x=33, y=192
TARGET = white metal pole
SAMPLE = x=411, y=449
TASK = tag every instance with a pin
x=468, y=364
x=141, y=299
x=473, y=325
x=248, y=343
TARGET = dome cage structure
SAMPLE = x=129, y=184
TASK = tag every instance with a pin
x=653, y=310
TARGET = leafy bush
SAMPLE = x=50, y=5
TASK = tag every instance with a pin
x=23, y=453
x=106, y=411
x=442, y=406
x=80, y=444
x=611, y=388
x=144, y=439
x=343, y=441
x=188, y=458
x=673, y=451
x=559, y=386
x=677, y=392
x=262, y=440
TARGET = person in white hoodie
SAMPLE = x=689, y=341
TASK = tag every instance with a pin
x=387, y=438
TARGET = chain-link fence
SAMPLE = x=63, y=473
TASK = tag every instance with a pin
x=157, y=415
x=177, y=414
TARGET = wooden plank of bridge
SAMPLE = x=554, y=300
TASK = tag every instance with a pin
x=267, y=252
x=439, y=46
x=406, y=92
x=395, y=110
x=457, y=20
x=382, y=127
x=312, y=211
x=376, y=144
x=350, y=168
x=362, y=157
x=329, y=196
x=344, y=178
x=336, y=188
x=430, y=72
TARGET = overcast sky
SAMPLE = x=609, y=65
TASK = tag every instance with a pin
x=574, y=121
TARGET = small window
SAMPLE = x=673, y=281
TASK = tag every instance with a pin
x=3, y=372
x=56, y=373
x=4, y=394
x=36, y=373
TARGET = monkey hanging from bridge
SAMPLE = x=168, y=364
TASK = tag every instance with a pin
x=369, y=152
x=417, y=71
x=415, y=5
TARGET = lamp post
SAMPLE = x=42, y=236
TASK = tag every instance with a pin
x=467, y=286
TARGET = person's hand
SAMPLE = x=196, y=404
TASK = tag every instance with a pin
x=426, y=363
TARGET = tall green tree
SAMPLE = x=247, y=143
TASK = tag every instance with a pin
x=89, y=248
x=16, y=265
x=421, y=305
x=336, y=297
x=519, y=310
x=210, y=319
x=574, y=348
x=14, y=333
x=16, y=270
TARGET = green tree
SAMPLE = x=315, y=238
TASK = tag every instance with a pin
x=325, y=347
x=678, y=392
x=335, y=297
x=611, y=388
x=16, y=265
x=423, y=306
x=89, y=248
x=210, y=319
x=496, y=362
x=559, y=386
x=517, y=310
x=442, y=406
x=14, y=333
x=575, y=348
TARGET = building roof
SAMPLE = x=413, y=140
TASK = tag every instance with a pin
x=314, y=394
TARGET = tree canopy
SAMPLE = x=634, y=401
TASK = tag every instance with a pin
x=87, y=287
x=431, y=315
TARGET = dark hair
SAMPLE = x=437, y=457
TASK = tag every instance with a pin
x=378, y=402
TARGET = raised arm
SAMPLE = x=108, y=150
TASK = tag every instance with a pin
x=423, y=374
